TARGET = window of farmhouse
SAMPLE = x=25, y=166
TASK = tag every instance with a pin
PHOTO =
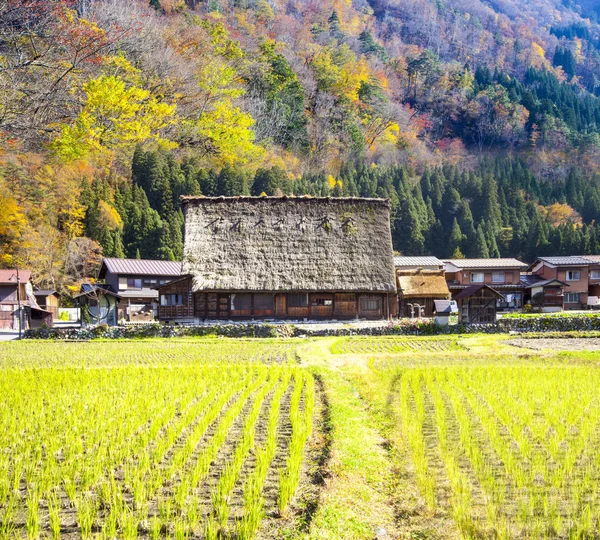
x=171, y=300
x=477, y=277
x=572, y=298
x=370, y=304
x=498, y=277
x=263, y=302
x=134, y=283
x=297, y=300
x=241, y=302
x=573, y=275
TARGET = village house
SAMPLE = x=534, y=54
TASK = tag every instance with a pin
x=134, y=283
x=503, y=275
x=580, y=275
x=283, y=258
x=593, y=280
x=18, y=303
x=545, y=295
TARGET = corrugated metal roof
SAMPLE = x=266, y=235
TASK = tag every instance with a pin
x=142, y=267
x=486, y=263
x=88, y=288
x=44, y=292
x=418, y=261
x=570, y=260
x=10, y=276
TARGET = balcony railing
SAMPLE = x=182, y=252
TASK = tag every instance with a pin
x=553, y=301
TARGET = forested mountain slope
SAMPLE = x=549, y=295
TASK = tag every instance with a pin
x=479, y=120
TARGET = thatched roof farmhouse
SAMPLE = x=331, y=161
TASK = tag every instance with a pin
x=285, y=257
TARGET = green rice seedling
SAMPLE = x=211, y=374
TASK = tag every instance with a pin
x=53, y=501
x=86, y=514
x=155, y=528
x=33, y=518
x=128, y=522
x=301, y=429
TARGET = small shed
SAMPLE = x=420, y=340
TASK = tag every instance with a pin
x=477, y=304
x=49, y=301
x=443, y=309
x=418, y=290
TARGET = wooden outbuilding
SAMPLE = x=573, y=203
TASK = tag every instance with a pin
x=417, y=291
x=48, y=300
x=477, y=304
x=283, y=258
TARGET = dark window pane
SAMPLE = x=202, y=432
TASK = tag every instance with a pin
x=263, y=301
x=297, y=300
x=370, y=304
x=241, y=302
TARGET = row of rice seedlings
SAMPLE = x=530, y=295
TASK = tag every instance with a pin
x=222, y=491
x=117, y=430
x=301, y=420
x=253, y=499
x=546, y=475
x=199, y=470
x=471, y=446
x=166, y=473
x=390, y=345
x=412, y=420
x=460, y=485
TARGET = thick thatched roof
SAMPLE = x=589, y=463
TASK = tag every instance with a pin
x=288, y=244
x=422, y=284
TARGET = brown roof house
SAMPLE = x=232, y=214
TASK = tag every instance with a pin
x=134, y=281
x=19, y=309
x=573, y=272
x=503, y=275
x=417, y=291
x=283, y=258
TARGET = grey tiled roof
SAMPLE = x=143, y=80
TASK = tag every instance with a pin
x=486, y=263
x=417, y=261
x=570, y=260
x=142, y=267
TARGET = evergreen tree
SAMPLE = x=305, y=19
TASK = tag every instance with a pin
x=481, y=249
x=271, y=181
x=455, y=241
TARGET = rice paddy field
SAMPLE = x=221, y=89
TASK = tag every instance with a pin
x=358, y=437
x=128, y=440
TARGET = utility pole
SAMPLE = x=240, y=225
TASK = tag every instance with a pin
x=19, y=303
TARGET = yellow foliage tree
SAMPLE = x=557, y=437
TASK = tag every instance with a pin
x=12, y=226
x=115, y=114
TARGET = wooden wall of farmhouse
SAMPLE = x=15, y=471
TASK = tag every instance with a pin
x=225, y=305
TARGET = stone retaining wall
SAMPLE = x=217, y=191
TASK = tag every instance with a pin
x=427, y=327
